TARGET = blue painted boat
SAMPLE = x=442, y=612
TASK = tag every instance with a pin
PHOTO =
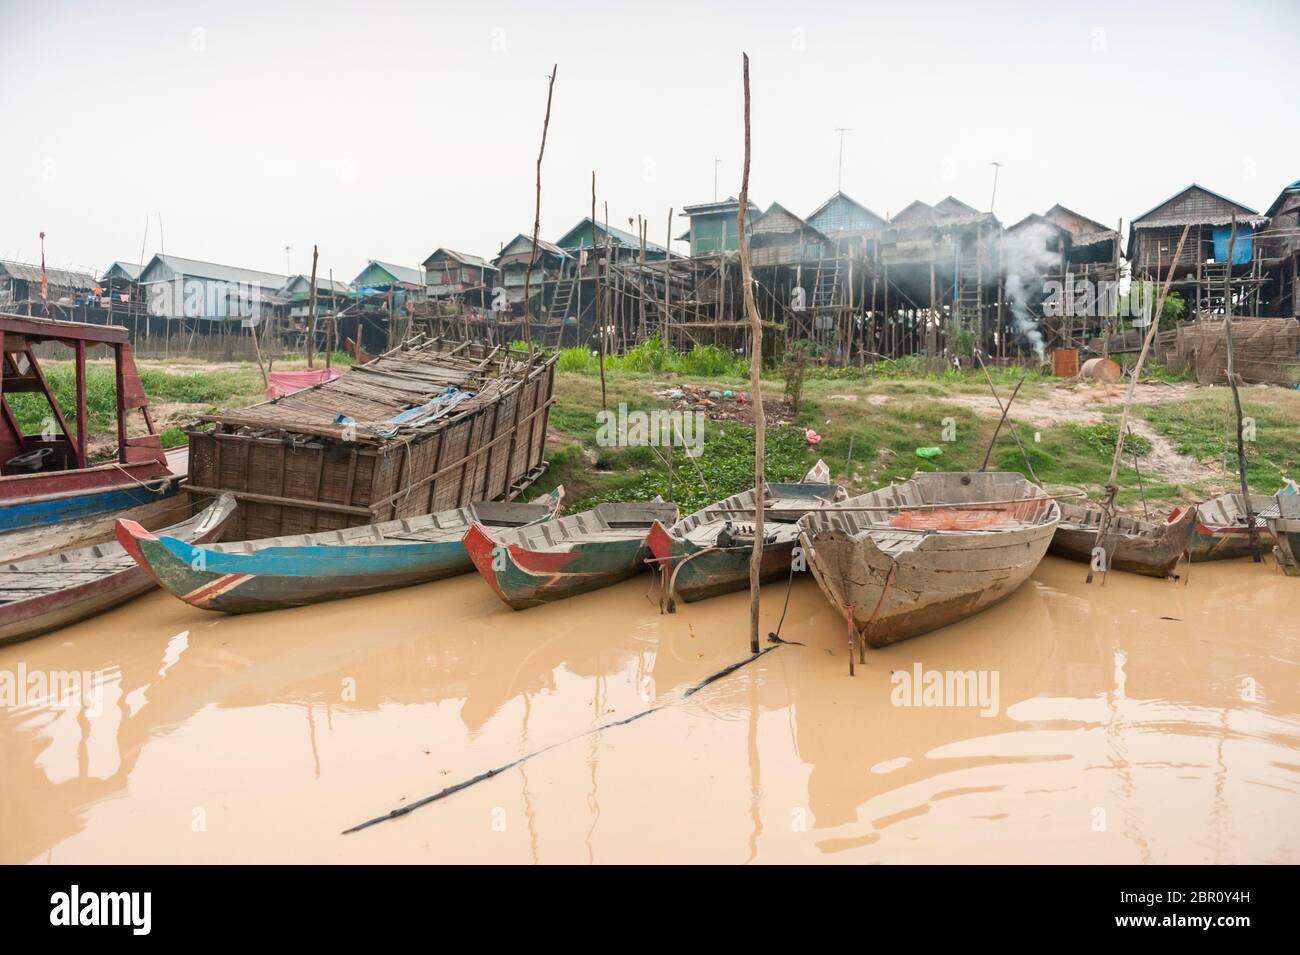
x=304, y=569
x=53, y=509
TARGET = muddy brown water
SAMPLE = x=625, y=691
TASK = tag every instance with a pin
x=1140, y=721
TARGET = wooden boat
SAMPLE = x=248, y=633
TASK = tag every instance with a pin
x=1132, y=545
x=1221, y=531
x=707, y=553
x=45, y=593
x=302, y=569
x=430, y=426
x=913, y=557
x=1284, y=524
x=567, y=556
x=48, y=479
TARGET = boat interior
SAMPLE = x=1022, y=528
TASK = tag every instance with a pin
x=605, y=522
x=427, y=529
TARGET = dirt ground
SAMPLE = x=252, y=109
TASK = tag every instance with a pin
x=1085, y=403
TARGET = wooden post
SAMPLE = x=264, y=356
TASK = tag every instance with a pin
x=668, y=261
x=119, y=378
x=311, y=312
x=598, y=302
x=537, y=212
x=755, y=379
x=1111, y=487
x=609, y=307
x=257, y=348
x=331, y=330
x=83, y=414
x=1236, y=397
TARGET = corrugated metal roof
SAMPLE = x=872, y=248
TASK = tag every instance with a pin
x=464, y=258
x=220, y=273
x=402, y=273
x=729, y=204
x=621, y=238
x=63, y=278
x=131, y=270
x=542, y=245
x=839, y=196
x=322, y=284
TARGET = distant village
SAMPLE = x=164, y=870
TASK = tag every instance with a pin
x=843, y=282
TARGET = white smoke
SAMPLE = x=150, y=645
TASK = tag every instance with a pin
x=1026, y=258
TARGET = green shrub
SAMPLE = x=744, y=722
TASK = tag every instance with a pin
x=579, y=360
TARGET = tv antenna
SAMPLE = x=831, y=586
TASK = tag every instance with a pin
x=839, y=175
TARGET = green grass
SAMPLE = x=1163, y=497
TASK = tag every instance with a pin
x=724, y=467
x=1204, y=427
x=653, y=357
x=228, y=387
x=906, y=414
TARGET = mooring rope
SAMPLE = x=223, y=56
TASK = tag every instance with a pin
x=488, y=774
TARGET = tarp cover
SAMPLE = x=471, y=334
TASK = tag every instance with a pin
x=287, y=382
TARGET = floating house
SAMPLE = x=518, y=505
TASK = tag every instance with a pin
x=20, y=286
x=623, y=245
x=178, y=288
x=448, y=272
x=713, y=225
x=296, y=295
x=1280, y=249
x=387, y=277
x=513, y=261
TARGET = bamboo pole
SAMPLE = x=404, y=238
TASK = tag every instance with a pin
x=1236, y=396
x=668, y=263
x=537, y=213
x=1111, y=488
x=755, y=380
x=609, y=307
x=331, y=330
x=598, y=300
x=1005, y=409
x=311, y=311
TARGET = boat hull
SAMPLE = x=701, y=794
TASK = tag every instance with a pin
x=124, y=580
x=279, y=577
x=697, y=573
x=1286, y=531
x=946, y=579
x=1154, y=553
x=1224, y=543
x=526, y=578
x=100, y=528
x=1222, y=531
x=75, y=504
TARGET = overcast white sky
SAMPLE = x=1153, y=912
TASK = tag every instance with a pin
x=384, y=129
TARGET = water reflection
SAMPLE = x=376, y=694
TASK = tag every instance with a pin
x=1136, y=721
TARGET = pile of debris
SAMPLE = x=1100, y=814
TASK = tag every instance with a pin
x=722, y=404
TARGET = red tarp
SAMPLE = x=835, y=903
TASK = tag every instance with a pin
x=287, y=382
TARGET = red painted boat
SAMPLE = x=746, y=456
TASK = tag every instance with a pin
x=47, y=478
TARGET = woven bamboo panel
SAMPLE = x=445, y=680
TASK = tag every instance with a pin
x=296, y=469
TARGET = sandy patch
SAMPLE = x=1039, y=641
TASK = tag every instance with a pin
x=1085, y=403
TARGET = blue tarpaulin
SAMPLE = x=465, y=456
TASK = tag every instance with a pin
x=1241, y=249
